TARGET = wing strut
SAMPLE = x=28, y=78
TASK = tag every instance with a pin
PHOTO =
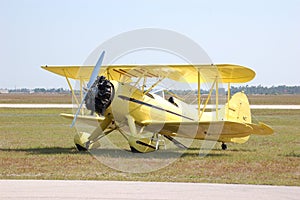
x=71, y=88
x=144, y=84
x=81, y=91
x=209, y=96
x=217, y=98
x=228, y=99
x=154, y=85
x=199, y=93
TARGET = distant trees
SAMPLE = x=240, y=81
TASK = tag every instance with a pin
x=21, y=90
x=282, y=89
x=39, y=90
x=274, y=90
x=51, y=90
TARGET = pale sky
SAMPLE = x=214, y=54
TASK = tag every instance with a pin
x=263, y=35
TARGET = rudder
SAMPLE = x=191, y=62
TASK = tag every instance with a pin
x=238, y=109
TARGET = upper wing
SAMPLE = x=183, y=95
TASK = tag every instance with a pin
x=226, y=73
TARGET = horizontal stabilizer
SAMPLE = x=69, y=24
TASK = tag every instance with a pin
x=261, y=129
x=240, y=140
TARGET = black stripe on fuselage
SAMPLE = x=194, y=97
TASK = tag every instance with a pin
x=152, y=106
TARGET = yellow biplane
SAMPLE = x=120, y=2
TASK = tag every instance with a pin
x=117, y=96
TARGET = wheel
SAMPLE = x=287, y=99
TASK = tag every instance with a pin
x=80, y=148
x=224, y=146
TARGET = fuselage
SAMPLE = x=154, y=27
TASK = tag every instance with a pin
x=129, y=100
x=150, y=108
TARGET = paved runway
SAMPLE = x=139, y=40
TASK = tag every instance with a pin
x=114, y=190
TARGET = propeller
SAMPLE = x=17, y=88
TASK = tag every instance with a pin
x=91, y=82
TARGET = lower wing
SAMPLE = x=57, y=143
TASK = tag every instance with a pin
x=91, y=120
x=209, y=130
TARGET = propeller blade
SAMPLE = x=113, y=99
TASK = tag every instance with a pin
x=78, y=110
x=92, y=80
x=95, y=71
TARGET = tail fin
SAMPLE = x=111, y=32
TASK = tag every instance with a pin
x=238, y=109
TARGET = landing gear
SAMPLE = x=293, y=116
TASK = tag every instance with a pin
x=158, y=141
x=80, y=148
x=224, y=146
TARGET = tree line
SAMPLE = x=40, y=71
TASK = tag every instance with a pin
x=256, y=90
x=262, y=90
x=282, y=89
x=39, y=90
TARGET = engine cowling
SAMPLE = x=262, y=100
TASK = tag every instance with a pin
x=100, y=96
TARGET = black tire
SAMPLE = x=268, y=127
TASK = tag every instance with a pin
x=224, y=146
x=80, y=148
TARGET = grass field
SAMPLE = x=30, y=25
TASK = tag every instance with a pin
x=274, y=99
x=35, y=98
x=67, y=98
x=38, y=144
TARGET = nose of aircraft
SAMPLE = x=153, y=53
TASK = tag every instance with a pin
x=100, y=96
x=104, y=95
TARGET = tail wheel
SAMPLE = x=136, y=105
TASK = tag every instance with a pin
x=224, y=146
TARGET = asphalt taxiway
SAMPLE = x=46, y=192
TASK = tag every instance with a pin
x=116, y=190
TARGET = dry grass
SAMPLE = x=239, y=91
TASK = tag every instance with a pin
x=67, y=98
x=35, y=98
x=274, y=99
x=38, y=144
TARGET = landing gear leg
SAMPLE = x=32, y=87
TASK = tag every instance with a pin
x=224, y=146
x=158, y=141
